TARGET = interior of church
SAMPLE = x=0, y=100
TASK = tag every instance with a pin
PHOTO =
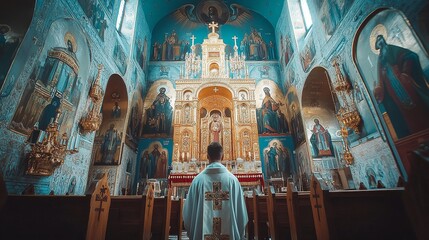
x=308, y=98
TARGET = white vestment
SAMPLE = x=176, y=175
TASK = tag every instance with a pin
x=215, y=206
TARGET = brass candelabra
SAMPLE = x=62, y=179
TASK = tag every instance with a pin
x=50, y=150
x=92, y=121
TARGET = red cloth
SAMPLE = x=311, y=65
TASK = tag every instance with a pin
x=180, y=178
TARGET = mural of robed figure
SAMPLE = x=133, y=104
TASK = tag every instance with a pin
x=270, y=118
x=277, y=161
x=402, y=88
x=109, y=146
x=159, y=115
x=145, y=165
x=154, y=156
x=321, y=140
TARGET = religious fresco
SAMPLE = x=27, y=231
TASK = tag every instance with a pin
x=154, y=158
x=55, y=83
x=13, y=25
x=303, y=163
x=331, y=13
x=95, y=12
x=321, y=140
x=171, y=48
x=293, y=110
x=277, y=157
x=255, y=48
x=135, y=121
x=286, y=50
x=271, y=109
x=119, y=57
x=252, y=45
x=108, y=139
x=158, y=109
x=395, y=69
x=290, y=77
x=171, y=39
x=307, y=55
x=141, y=52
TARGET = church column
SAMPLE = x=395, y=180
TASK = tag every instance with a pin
x=195, y=139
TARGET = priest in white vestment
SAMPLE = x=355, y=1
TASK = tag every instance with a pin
x=215, y=206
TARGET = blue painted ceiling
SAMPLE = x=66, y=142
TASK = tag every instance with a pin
x=155, y=10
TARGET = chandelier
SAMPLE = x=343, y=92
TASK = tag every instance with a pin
x=92, y=121
x=237, y=61
x=50, y=150
x=192, y=62
x=347, y=114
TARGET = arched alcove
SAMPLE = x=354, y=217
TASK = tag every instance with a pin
x=320, y=122
x=110, y=136
x=15, y=19
x=214, y=108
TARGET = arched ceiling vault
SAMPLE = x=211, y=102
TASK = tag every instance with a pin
x=155, y=10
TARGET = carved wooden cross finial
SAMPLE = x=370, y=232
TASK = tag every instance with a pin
x=150, y=196
x=217, y=196
x=316, y=196
x=235, y=40
x=193, y=39
x=213, y=25
x=217, y=227
x=101, y=197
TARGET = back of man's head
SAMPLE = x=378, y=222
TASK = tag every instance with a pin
x=214, y=152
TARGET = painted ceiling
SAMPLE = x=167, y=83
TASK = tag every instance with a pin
x=155, y=10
